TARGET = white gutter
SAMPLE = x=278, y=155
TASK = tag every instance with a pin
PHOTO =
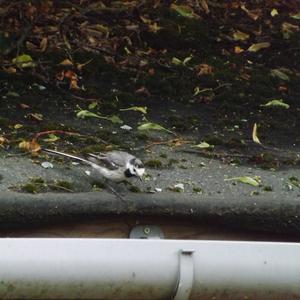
x=147, y=269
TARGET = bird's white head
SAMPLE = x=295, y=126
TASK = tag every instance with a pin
x=136, y=168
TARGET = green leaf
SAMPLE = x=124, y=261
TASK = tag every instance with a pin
x=280, y=74
x=254, y=181
x=184, y=11
x=240, y=36
x=277, y=102
x=258, y=46
x=114, y=119
x=274, y=12
x=204, y=145
x=296, y=16
x=93, y=105
x=87, y=114
x=51, y=138
x=176, y=61
x=154, y=126
x=187, y=59
x=24, y=61
x=142, y=109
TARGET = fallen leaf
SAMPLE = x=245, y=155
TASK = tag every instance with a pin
x=43, y=44
x=154, y=126
x=185, y=11
x=24, y=106
x=296, y=16
x=253, y=14
x=274, y=12
x=114, y=119
x=240, y=36
x=93, y=105
x=254, y=135
x=204, y=69
x=18, y=126
x=10, y=70
x=238, y=50
x=88, y=114
x=80, y=66
x=142, y=109
x=259, y=46
x=36, y=116
x=254, y=181
x=280, y=74
x=51, y=138
x=288, y=29
x=276, y=102
x=176, y=61
x=30, y=146
x=204, y=145
x=3, y=140
x=24, y=61
x=143, y=90
x=12, y=94
x=66, y=62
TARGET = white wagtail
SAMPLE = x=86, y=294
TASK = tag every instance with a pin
x=116, y=166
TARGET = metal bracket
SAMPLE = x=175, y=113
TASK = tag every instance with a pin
x=146, y=232
x=186, y=275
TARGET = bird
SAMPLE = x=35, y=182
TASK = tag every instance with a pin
x=115, y=165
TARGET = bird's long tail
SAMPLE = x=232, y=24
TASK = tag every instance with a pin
x=68, y=155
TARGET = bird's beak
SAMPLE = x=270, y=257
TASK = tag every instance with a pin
x=141, y=177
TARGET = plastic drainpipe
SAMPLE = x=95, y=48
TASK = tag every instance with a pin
x=147, y=269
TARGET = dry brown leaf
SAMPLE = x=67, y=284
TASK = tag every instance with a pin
x=24, y=106
x=30, y=146
x=36, y=116
x=238, y=50
x=204, y=69
x=43, y=44
x=254, y=135
x=144, y=91
x=10, y=70
x=258, y=46
x=253, y=14
x=66, y=62
x=3, y=140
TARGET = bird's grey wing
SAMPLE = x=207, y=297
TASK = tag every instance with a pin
x=119, y=158
x=114, y=159
x=101, y=160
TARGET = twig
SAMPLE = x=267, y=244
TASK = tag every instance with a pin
x=39, y=134
x=176, y=142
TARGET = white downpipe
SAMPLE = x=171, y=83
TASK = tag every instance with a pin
x=147, y=269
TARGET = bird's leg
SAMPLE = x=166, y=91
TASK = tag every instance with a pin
x=107, y=185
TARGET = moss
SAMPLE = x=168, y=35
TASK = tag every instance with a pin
x=134, y=189
x=267, y=188
x=175, y=189
x=142, y=136
x=197, y=190
x=37, y=180
x=64, y=184
x=98, y=185
x=163, y=155
x=172, y=161
x=30, y=188
x=93, y=149
x=154, y=163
